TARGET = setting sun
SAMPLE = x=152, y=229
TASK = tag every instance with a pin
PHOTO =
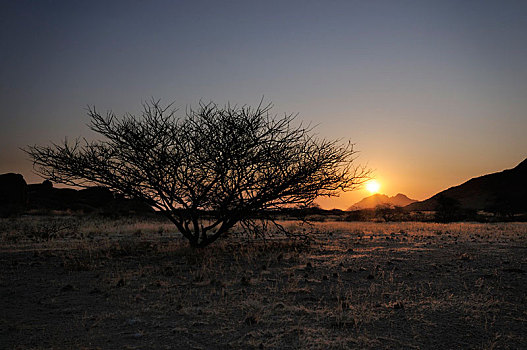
x=373, y=186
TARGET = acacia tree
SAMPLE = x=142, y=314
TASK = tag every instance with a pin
x=207, y=170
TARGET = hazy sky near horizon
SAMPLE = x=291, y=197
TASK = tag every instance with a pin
x=432, y=92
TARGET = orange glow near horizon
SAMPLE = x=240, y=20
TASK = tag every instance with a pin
x=373, y=186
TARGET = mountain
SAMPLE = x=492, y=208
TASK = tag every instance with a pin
x=502, y=191
x=16, y=197
x=399, y=200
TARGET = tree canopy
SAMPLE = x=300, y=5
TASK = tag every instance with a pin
x=207, y=170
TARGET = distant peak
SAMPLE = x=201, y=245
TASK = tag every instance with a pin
x=378, y=195
x=400, y=195
x=381, y=199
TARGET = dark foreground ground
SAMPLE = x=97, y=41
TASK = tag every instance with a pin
x=356, y=285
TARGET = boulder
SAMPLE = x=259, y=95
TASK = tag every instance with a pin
x=13, y=194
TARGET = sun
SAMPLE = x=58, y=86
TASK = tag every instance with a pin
x=373, y=186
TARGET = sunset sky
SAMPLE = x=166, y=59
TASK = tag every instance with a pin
x=432, y=92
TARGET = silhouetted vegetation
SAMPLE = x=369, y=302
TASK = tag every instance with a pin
x=387, y=213
x=447, y=209
x=506, y=207
x=232, y=162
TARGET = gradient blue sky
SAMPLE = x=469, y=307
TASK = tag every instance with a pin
x=431, y=92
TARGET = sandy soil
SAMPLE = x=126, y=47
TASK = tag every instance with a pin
x=354, y=285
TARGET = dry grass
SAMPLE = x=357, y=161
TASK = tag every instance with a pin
x=135, y=284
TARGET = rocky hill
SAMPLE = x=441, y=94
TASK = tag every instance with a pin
x=16, y=196
x=399, y=200
x=504, y=191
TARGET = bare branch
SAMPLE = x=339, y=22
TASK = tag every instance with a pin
x=227, y=162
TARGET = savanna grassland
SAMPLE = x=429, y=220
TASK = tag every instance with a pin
x=78, y=283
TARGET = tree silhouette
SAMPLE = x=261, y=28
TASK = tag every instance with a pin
x=389, y=213
x=447, y=209
x=208, y=170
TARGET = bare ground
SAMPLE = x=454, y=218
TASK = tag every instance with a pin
x=355, y=285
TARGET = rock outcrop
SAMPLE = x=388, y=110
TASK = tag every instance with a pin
x=16, y=196
x=502, y=192
x=45, y=196
x=13, y=194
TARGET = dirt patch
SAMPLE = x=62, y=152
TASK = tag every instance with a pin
x=355, y=285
